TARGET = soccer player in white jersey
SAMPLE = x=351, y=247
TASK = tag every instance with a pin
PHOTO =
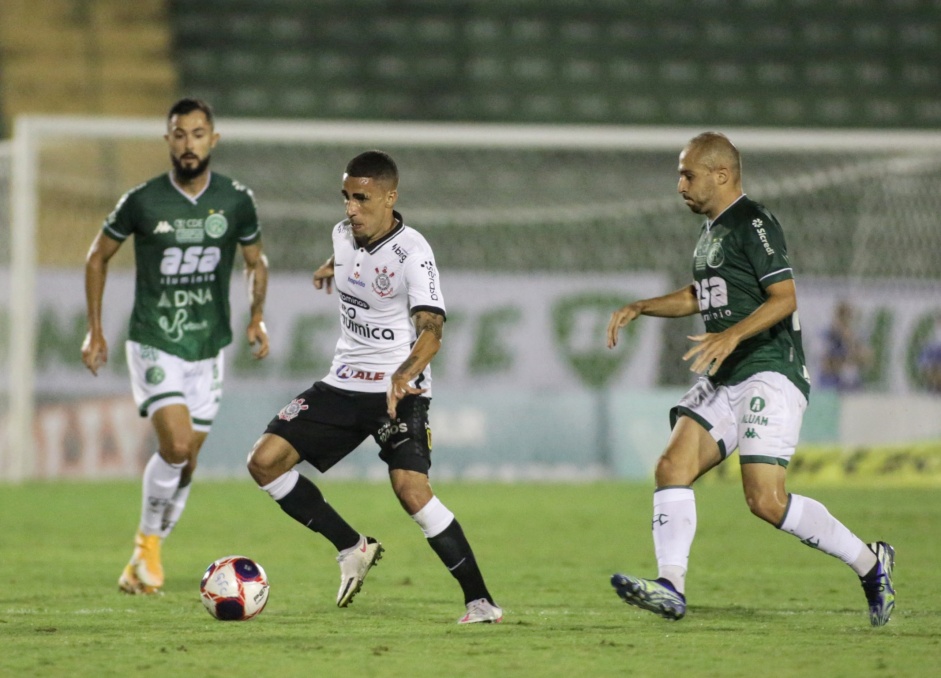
x=752, y=393
x=187, y=225
x=391, y=313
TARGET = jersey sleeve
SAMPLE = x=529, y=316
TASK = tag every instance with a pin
x=248, y=228
x=120, y=223
x=424, y=285
x=766, y=249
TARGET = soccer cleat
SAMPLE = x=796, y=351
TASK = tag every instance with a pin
x=481, y=611
x=656, y=595
x=877, y=585
x=130, y=584
x=353, y=568
x=146, y=560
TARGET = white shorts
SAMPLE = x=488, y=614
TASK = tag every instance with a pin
x=159, y=379
x=761, y=417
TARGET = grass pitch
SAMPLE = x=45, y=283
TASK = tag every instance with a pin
x=760, y=603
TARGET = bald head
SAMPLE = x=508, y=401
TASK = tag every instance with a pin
x=710, y=174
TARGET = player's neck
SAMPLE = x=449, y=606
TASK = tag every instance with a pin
x=192, y=186
x=379, y=236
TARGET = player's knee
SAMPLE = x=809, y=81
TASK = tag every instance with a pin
x=765, y=505
x=673, y=472
x=177, y=450
x=412, y=489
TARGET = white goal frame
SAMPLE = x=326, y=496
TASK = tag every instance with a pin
x=30, y=131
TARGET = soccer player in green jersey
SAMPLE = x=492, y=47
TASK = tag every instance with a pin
x=187, y=225
x=752, y=391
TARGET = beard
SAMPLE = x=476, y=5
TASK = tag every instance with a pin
x=184, y=173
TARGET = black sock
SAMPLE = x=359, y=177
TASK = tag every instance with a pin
x=306, y=505
x=456, y=554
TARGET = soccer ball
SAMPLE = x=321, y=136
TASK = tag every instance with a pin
x=234, y=588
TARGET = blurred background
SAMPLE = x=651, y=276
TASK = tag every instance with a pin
x=537, y=141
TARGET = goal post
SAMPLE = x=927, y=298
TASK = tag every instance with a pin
x=552, y=205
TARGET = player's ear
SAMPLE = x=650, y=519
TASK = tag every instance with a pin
x=723, y=175
x=391, y=197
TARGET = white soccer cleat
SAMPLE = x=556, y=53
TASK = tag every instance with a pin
x=481, y=611
x=354, y=565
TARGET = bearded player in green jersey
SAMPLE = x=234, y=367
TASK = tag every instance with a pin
x=187, y=225
x=752, y=393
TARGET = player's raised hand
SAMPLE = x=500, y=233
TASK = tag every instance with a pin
x=619, y=319
x=398, y=389
x=94, y=352
x=257, y=335
x=323, y=276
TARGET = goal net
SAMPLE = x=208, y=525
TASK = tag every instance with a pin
x=540, y=232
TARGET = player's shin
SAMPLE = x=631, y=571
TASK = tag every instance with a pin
x=673, y=527
x=447, y=539
x=809, y=521
x=160, y=482
x=302, y=500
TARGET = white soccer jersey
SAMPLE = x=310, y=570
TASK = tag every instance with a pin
x=380, y=286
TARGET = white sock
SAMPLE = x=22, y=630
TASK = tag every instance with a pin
x=674, y=526
x=174, y=510
x=433, y=518
x=161, y=481
x=809, y=521
x=282, y=485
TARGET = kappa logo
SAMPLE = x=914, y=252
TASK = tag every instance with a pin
x=750, y=433
x=292, y=409
x=163, y=227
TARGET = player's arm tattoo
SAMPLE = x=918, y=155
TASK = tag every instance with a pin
x=426, y=320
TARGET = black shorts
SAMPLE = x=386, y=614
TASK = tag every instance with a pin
x=324, y=424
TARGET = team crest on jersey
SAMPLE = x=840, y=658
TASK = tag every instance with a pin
x=154, y=375
x=292, y=409
x=382, y=285
x=216, y=225
x=715, y=257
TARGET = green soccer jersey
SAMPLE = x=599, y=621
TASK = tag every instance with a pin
x=737, y=257
x=184, y=249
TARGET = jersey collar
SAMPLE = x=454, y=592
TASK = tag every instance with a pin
x=398, y=228
x=192, y=198
x=719, y=216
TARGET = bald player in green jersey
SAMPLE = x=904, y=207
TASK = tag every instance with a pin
x=752, y=391
x=187, y=225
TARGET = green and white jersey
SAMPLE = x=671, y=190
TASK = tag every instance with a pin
x=184, y=249
x=737, y=257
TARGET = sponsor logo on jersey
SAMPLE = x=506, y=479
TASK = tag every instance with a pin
x=757, y=404
x=759, y=227
x=292, y=409
x=154, y=375
x=382, y=285
x=189, y=230
x=401, y=251
x=750, y=433
x=364, y=330
x=354, y=280
x=429, y=267
x=346, y=372
x=216, y=225
x=163, y=227
x=353, y=301
x=755, y=419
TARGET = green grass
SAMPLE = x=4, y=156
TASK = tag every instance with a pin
x=761, y=604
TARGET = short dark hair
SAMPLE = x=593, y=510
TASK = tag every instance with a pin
x=374, y=165
x=188, y=105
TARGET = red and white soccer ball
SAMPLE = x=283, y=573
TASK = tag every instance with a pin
x=234, y=588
